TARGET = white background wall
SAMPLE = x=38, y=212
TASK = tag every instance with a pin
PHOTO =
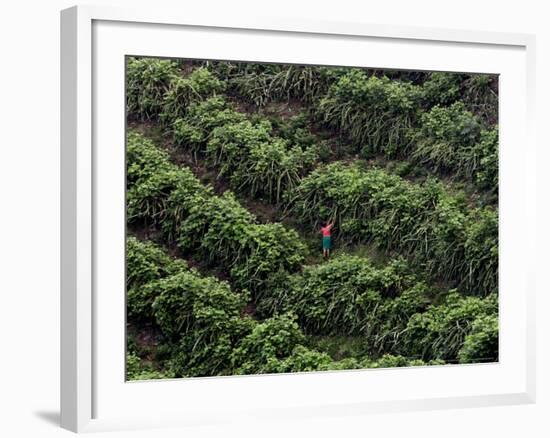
x=29, y=216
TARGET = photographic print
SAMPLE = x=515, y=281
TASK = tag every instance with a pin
x=295, y=218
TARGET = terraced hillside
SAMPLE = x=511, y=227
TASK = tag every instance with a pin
x=232, y=168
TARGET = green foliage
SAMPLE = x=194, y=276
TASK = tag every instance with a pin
x=481, y=344
x=445, y=138
x=481, y=250
x=187, y=192
x=481, y=97
x=150, y=178
x=347, y=312
x=256, y=162
x=157, y=89
x=193, y=131
x=268, y=249
x=304, y=359
x=147, y=80
x=214, y=228
x=392, y=361
x=433, y=228
x=229, y=144
x=349, y=296
x=183, y=91
x=452, y=140
x=144, y=159
x=439, y=333
x=217, y=228
x=145, y=262
x=137, y=370
x=253, y=82
x=267, y=345
x=264, y=83
x=442, y=88
x=394, y=315
x=187, y=300
x=376, y=114
x=147, y=201
x=477, y=91
x=201, y=316
x=486, y=173
x=294, y=129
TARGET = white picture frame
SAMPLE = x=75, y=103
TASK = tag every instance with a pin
x=94, y=395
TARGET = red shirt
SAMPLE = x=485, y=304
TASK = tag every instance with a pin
x=326, y=230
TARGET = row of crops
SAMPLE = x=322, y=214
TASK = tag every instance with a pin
x=446, y=124
x=434, y=228
x=205, y=331
x=255, y=305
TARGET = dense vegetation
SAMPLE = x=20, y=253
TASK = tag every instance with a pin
x=233, y=167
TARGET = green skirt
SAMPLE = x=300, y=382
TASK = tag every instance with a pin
x=326, y=242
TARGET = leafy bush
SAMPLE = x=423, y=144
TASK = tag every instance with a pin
x=267, y=345
x=198, y=86
x=440, y=332
x=392, y=361
x=264, y=83
x=273, y=168
x=348, y=295
x=268, y=249
x=477, y=91
x=137, y=370
x=304, y=359
x=481, y=344
x=486, y=174
x=253, y=82
x=187, y=300
x=146, y=262
x=481, y=250
x=434, y=229
x=193, y=131
x=445, y=138
x=229, y=144
x=366, y=205
x=217, y=228
x=464, y=246
x=295, y=129
x=150, y=179
x=453, y=140
x=442, y=88
x=304, y=82
x=186, y=193
x=147, y=80
x=144, y=159
x=147, y=201
x=376, y=114
x=255, y=161
x=389, y=315
x=394, y=315
x=157, y=89
x=481, y=97
x=337, y=192
x=201, y=317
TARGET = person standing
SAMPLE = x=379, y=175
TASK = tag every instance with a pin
x=327, y=243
